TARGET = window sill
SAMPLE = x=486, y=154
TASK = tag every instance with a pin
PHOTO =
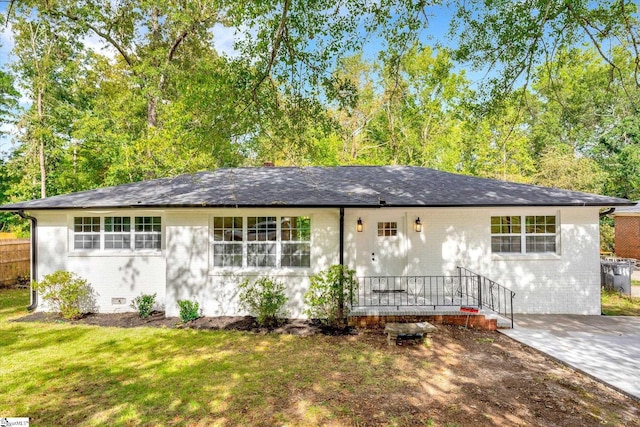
x=259, y=271
x=525, y=257
x=117, y=253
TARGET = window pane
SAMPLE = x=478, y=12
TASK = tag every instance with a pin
x=117, y=224
x=227, y=254
x=148, y=224
x=296, y=255
x=387, y=229
x=117, y=241
x=506, y=244
x=148, y=241
x=87, y=224
x=86, y=241
x=228, y=229
x=541, y=224
x=541, y=244
x=261, y=228
x=261, y=254
x=295, y=229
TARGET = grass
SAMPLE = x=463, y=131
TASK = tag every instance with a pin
x=67, y=374
x=617, y=304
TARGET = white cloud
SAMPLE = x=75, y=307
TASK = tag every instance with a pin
x=96, y=44
x=224, y=39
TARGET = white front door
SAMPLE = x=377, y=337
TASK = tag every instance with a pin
x=382, y=247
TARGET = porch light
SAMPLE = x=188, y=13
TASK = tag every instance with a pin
x=418, y=225
x=359, y=225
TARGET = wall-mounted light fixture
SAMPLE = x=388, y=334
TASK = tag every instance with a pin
x=359, y=225
x=418, y=225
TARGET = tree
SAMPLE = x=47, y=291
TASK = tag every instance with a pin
x=511, y=39
x=44, y=60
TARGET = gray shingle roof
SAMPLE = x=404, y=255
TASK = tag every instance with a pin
x=635, y=209
x=348, y=186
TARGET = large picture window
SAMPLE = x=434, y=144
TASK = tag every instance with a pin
x=261, y=241
x=524, y=234
x=117, y=233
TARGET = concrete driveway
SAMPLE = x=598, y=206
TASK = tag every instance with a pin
x=604, y=347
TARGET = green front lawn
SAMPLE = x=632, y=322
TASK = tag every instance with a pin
x=70, y=374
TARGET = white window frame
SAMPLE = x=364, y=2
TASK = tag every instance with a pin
x=102, y=250
x=246, y=242
x=523, y=235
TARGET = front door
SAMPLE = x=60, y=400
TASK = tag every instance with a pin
x=381, y=247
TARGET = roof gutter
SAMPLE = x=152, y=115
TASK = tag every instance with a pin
x=34, y=257
x=607, y=212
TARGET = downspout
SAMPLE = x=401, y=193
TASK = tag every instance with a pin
x=341, y=261
x=34, y=257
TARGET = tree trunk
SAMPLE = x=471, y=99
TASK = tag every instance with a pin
x=43, y=170
x=152, y=113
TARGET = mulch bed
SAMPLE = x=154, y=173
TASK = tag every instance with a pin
x=157, y=319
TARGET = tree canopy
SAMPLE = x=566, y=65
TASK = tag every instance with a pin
x=320, y=83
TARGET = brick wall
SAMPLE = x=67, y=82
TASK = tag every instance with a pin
x=474, y=321
x=627, y=239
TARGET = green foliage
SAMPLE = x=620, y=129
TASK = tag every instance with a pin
x=189, y=310
x=329, y=295
x=144, y=304
x=66, y=293
x=264, y=298
x=607, y=235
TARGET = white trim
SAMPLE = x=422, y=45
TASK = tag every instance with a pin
x=523, y=254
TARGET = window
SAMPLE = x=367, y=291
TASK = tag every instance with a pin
x=506, y=234
x=148, y=232
x=538, y=235
x=387, y=229
x=116, y=233
x=541, y=234
x=262, y=235
x=261, y=241
x=86, y=232
x=296, y=242
x=227, y=241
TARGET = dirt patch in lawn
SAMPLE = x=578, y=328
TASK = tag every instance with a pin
x=457, y=377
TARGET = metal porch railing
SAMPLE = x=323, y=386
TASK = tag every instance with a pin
x=464, y=289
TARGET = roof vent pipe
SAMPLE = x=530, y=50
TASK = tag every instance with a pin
x=34, y=257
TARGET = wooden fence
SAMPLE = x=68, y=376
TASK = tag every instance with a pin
x=14, y=262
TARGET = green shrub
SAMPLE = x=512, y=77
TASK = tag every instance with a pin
x=329, y=295
x=607, y=237
x=66, y=293
x=144, y=304
x=189, y=310
x=264, y=299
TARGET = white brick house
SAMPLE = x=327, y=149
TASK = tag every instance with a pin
x=197, y=236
